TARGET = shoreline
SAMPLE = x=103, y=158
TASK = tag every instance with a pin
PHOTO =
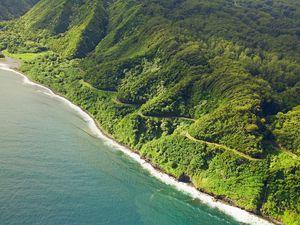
x=235, y=212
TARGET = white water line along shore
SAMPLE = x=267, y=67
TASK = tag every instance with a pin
x=237, y=213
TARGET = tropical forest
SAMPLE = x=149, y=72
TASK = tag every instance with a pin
x=207, y=91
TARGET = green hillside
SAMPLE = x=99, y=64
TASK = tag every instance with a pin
x=208, y=91
x=13, y=8
x=77, y=25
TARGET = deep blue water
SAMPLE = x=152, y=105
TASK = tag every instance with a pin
x=52, y=172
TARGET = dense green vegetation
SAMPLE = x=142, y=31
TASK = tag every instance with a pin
x=287, y=130
x=208, y=91
x=13, y=8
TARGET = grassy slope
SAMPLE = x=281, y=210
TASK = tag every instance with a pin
x=224, y=72
x=25, y=56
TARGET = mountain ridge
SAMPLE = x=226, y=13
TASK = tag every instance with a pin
x=154, y=64
x=10, y=9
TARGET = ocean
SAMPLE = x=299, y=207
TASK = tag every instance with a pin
x=57, y=168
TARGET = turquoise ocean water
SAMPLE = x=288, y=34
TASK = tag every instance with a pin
x=53, y=172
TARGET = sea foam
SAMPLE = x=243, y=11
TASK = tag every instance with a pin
x=237, y=213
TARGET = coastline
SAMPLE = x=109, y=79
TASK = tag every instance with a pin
x=237, y=213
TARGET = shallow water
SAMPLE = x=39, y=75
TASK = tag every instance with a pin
x=53, y=171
